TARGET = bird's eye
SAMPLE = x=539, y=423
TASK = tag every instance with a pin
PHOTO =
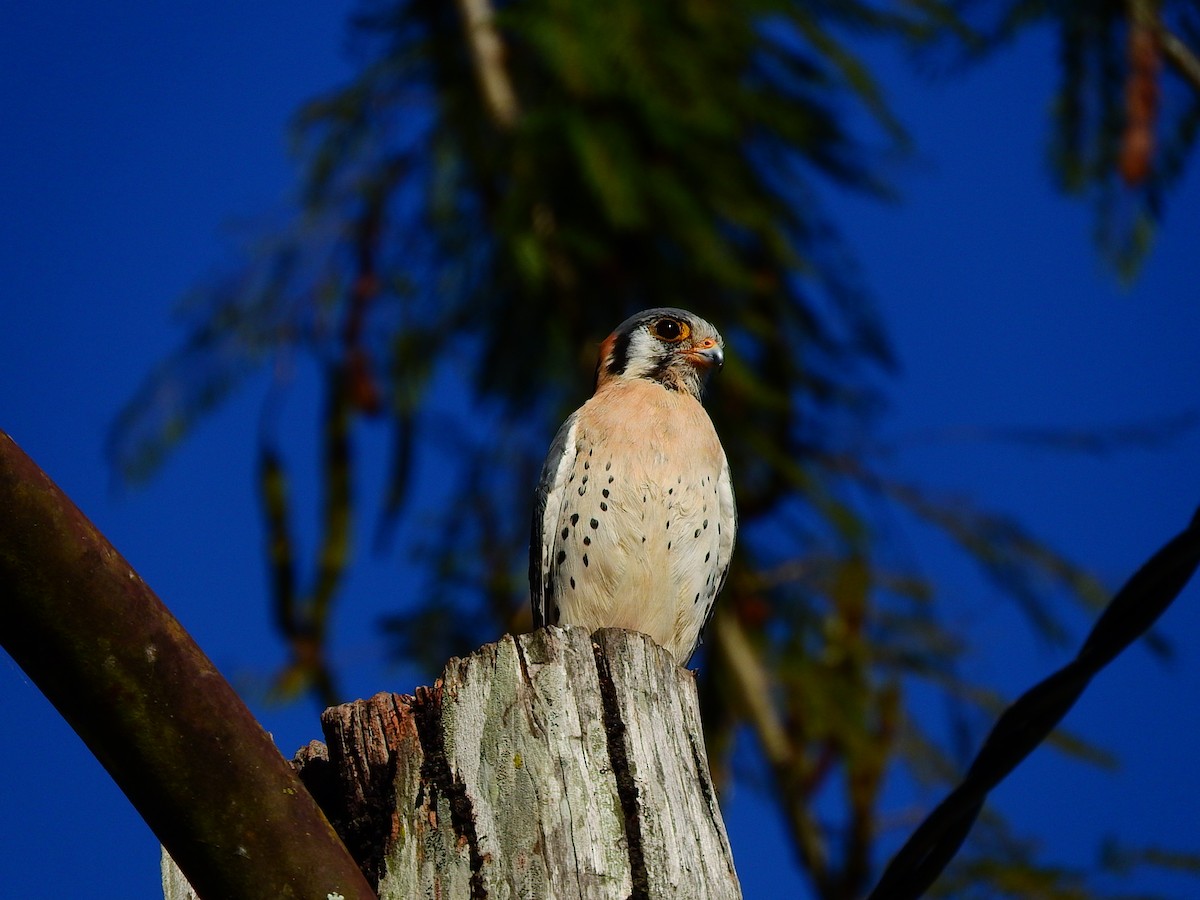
x=670, y=330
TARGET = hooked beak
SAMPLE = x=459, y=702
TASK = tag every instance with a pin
x=707, y=354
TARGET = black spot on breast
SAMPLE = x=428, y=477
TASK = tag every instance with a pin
x=585, y=560
x=582, y=490
x=561, y=558
x=608, y=466
x=574, y=519
x=587, y=541
x=594, y=523
x=668, y=523
x=706, y=523
x=572, y=582
x=706, y=556
x=670, y=490
x=697, y=600
x=610, y=479
x=584, y=479
x=697, y=534
x=604, y=493
x=603, y=506
x=566, y=532
x=668, y=545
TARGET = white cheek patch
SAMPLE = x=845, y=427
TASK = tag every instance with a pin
x=644, y=354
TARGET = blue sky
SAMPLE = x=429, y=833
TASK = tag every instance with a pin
x=140, y=137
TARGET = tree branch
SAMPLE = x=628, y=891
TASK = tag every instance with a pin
x=1180, y=56
x=155, y=711
x=487, y=53
x=1173, y=49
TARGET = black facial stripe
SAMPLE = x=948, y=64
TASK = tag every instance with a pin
x=620, y=354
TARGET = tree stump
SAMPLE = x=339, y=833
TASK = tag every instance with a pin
x=550, y=765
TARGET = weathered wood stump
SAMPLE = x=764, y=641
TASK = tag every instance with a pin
x=556, y=764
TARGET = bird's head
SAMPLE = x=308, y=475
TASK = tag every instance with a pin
x=670, y=346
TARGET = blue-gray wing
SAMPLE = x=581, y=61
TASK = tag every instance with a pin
x=727, y=511
x=547, y=504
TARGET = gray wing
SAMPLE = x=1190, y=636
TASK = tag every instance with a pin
x=547, y=502
x=729, y=524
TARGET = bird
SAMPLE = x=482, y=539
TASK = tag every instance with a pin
x=634, y=519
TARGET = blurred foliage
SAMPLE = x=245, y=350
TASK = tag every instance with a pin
x=1011, y=869
x=489, y=196
x=1127, y=108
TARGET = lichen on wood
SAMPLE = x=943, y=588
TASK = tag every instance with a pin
x=548, y=765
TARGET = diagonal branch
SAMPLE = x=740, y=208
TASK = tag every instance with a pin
x=155, y=711
x=1031, y=718
x=487, y=53
x=1178, y=53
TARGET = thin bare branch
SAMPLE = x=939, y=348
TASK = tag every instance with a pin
x=1180, y=55
x=487, y=53
x=1028, y=721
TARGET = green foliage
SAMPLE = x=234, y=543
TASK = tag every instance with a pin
x=1127, y=107
x=450, y=246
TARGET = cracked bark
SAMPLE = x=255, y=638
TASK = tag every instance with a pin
x=550, y=765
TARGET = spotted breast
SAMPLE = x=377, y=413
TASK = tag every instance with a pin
x=634, y=520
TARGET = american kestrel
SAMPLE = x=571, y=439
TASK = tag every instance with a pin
x=634, y=519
